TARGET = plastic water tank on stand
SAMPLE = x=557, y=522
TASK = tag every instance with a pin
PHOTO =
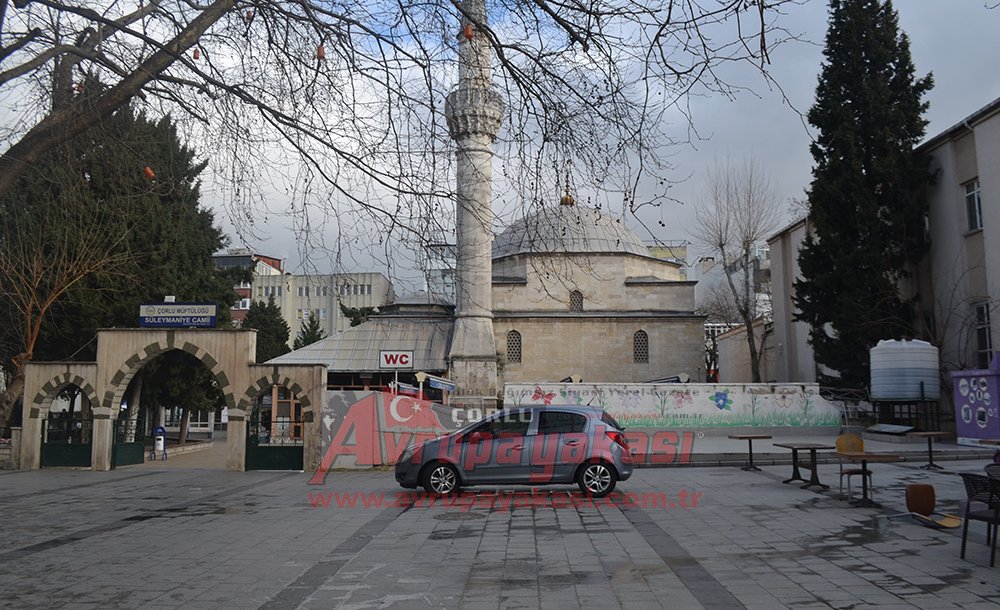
x=906, y=382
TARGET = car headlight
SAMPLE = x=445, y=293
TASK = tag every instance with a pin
x=407, y=454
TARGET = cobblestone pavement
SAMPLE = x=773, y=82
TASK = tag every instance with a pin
x=146, y=537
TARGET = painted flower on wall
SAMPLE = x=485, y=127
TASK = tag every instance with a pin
x=722, y=400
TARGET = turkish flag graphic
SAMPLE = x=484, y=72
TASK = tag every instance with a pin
x=405, y=412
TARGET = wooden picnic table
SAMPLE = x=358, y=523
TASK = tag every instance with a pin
x=864, y=458
x=750, y=438
x=930, y=435
x=812, y=448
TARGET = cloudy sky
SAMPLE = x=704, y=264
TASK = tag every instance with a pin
x=956, y=40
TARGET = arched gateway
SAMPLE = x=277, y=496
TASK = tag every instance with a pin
x=121, y=353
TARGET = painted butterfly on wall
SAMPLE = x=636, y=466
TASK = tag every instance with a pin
x=541, y=395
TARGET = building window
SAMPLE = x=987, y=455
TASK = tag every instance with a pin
x=244, y=304
x=298, y=314
x=244, y=284
x=973, y=206
x=368, y=288
x=576, y=301
x=322, y=313
x=513, y=346
x=640, y=346
x=300, y=290
x=984, y=342
x=260, y=291
x=279, y=291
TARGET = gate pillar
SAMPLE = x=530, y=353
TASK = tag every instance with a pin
x=31, y=437
x=103, y=438
x=312, y=439
x=236, y=440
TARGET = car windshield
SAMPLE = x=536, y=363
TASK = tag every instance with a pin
x=606, y=418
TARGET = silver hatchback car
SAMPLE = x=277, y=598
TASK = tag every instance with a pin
x=548, y=445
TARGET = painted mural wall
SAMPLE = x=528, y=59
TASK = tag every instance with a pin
x=689, y=405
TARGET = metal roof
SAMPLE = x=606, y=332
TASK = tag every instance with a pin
x=357, y=348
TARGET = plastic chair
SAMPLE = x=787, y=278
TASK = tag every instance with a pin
x=921, y=502
x=981, y=488
x=848, y=443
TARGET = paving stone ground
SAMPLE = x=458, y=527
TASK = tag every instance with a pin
x=155, y=537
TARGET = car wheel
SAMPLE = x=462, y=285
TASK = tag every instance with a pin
x=440, y=479
x=597, y=479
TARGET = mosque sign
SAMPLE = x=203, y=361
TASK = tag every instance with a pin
x=177, y=315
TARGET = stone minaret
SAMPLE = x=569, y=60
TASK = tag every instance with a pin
x=474, y=111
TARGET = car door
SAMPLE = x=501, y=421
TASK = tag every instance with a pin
x=558, y=446
x=508, y=461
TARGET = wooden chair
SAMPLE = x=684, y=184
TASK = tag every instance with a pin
x=921, y=504
x=980, y=488
x=847, y=443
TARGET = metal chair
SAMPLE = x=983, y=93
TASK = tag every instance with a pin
x=981, y=488
x=848, y=443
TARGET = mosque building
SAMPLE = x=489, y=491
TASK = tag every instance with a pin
x=565, y=292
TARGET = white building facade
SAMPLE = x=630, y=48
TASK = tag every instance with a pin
x=321, y=295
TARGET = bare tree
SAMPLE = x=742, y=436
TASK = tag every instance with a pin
x=44, y=252
x=737, y=214
x=342, y=103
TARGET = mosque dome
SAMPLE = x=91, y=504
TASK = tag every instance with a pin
x=567, y=228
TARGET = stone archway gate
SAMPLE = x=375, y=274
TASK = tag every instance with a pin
x=121, y=353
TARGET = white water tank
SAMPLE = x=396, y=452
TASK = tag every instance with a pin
x=904, y=370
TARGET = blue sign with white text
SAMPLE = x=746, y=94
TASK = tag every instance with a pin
x=177, y=315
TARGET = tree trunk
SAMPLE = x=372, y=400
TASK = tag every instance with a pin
x=62, y=124
x=754, y=355
x=15, y=388
x=185, y=422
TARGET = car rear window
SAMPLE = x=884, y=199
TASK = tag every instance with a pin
x=610, y=421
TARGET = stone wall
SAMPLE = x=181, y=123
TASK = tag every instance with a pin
x=601, y=348
x=10, y=450
x=689, y=405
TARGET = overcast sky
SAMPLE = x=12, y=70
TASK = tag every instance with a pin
x=956, y=40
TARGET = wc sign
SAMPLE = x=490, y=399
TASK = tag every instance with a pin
x=395, y=360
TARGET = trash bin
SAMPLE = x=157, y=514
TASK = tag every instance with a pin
x=159, y=444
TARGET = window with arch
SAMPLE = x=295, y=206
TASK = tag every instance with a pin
x=513, y=346
x=640, y=346
x=576, y=301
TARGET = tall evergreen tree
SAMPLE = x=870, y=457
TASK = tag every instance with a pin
x=866, y=201
x=272, y=330
x=310, y=332
x=107, y=220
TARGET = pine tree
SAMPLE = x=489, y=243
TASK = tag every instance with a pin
x=309, y=332
x=272, y=330
x=866, y=203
